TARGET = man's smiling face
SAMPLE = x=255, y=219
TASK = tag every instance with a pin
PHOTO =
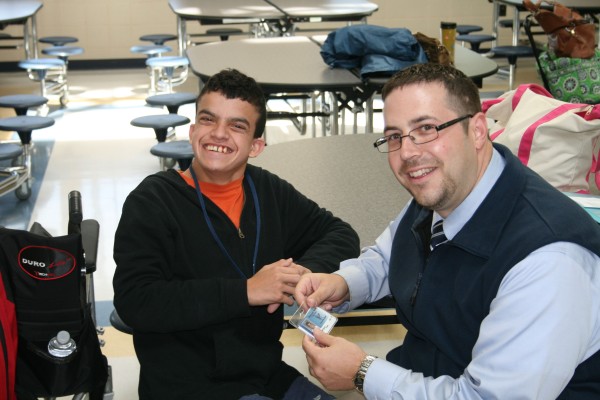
x=223, y=138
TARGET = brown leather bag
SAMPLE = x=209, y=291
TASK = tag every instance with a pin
x=569, y=34
x=433, y=48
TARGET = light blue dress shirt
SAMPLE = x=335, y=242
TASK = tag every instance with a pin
x=544, y=321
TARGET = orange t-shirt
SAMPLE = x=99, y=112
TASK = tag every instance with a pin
x=229, y=198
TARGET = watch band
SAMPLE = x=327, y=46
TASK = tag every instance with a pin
x=359, y=378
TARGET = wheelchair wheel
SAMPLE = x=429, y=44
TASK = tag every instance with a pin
x=23, y=192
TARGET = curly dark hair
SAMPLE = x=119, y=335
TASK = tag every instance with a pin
x=235, y=85
x=463, y=95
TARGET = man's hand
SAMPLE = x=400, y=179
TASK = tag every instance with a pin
x=321, y=290
x=332, y=360
x=274, y=284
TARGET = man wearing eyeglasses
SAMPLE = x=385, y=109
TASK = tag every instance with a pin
x=495, y=274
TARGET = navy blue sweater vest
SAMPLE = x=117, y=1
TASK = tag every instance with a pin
x=442, y=297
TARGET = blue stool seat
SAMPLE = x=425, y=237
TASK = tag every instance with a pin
x=22, y=102
x=9, y=151
x=118, y=323
x=512, y=53
x=466, y=29
x=475, y=40
x=160, y=123
x=167, y=62
x=224, y=33
x=42, y=64
x=179, y=150
x=24, y=125
x=63, y=52
x=150, y=50
x=172, y=100
x=158, y=38
x=58, y=40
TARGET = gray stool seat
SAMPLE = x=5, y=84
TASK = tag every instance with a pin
x=158, y=38
x=58, y=40
x=8, y=151
x=22, y=102
x=466, y=29
x=508, y=23
x=172, y=100
x=150, y=49
x=179, y=150
x=224, y=33
x=63, y=52
x=160, y=123
x=475, y=40
x=24, y=125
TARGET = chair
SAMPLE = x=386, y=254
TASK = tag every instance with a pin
x=512, y=53
x=178, y=150
x=169, y=71
x=224, y=33
x=15, y=176
x=21, y=103
x=158, y=39
x=151, y=51
x=466, y=29
x=51, y=73
x=58, y=40
x=161, y=123
x=475, y=40
x=171, y=100
x=63, y=53
x=24, y=125
x=49, y=278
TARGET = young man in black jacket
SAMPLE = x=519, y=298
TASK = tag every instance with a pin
x=205, y=258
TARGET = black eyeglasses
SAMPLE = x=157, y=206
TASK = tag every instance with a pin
x=420, y=135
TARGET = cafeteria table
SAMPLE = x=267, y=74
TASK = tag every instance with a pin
x=22, y=12
x=344, y=174
x=294, y=64
x=282, y=13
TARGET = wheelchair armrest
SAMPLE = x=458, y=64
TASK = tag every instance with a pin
x=90, y=231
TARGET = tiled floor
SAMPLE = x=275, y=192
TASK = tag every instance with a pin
x=93, y=148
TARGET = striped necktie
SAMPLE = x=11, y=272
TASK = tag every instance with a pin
x=437, y=234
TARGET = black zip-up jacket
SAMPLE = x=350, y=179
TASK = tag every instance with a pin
x=195, y=334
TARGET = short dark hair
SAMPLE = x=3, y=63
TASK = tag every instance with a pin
x=463, y=95
x=235, y=85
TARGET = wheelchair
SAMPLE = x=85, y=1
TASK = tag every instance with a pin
x=50, y=280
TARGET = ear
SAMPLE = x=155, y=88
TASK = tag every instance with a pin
x=258, y=145
x=191, y=131
x=480, y=129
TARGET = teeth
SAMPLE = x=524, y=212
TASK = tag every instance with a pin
x=420, y=173
x=218, y=149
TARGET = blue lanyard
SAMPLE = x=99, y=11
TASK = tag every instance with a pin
x=214, y=233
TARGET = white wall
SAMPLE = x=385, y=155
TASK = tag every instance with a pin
x=108, y=28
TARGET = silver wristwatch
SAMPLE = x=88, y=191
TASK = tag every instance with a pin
x=359, y=378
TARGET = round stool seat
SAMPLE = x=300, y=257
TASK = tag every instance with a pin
x=24, y=123
x=8, y=151
x=466, y=29
x=58, y=40
x=118, y=323
x=63, y=51
x=158, y=38
x=172, y=100
x=512, y=52
x=42, y=63
x=223, y=33
x=22, y=102
x=160, y=123
x=508, y=23
x=475, y=40
x=151, y=49
x=179, y=150
x=165, y=62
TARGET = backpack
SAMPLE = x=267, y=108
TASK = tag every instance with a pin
x=8, y=342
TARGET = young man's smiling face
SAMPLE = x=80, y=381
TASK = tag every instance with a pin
x=223, y=138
